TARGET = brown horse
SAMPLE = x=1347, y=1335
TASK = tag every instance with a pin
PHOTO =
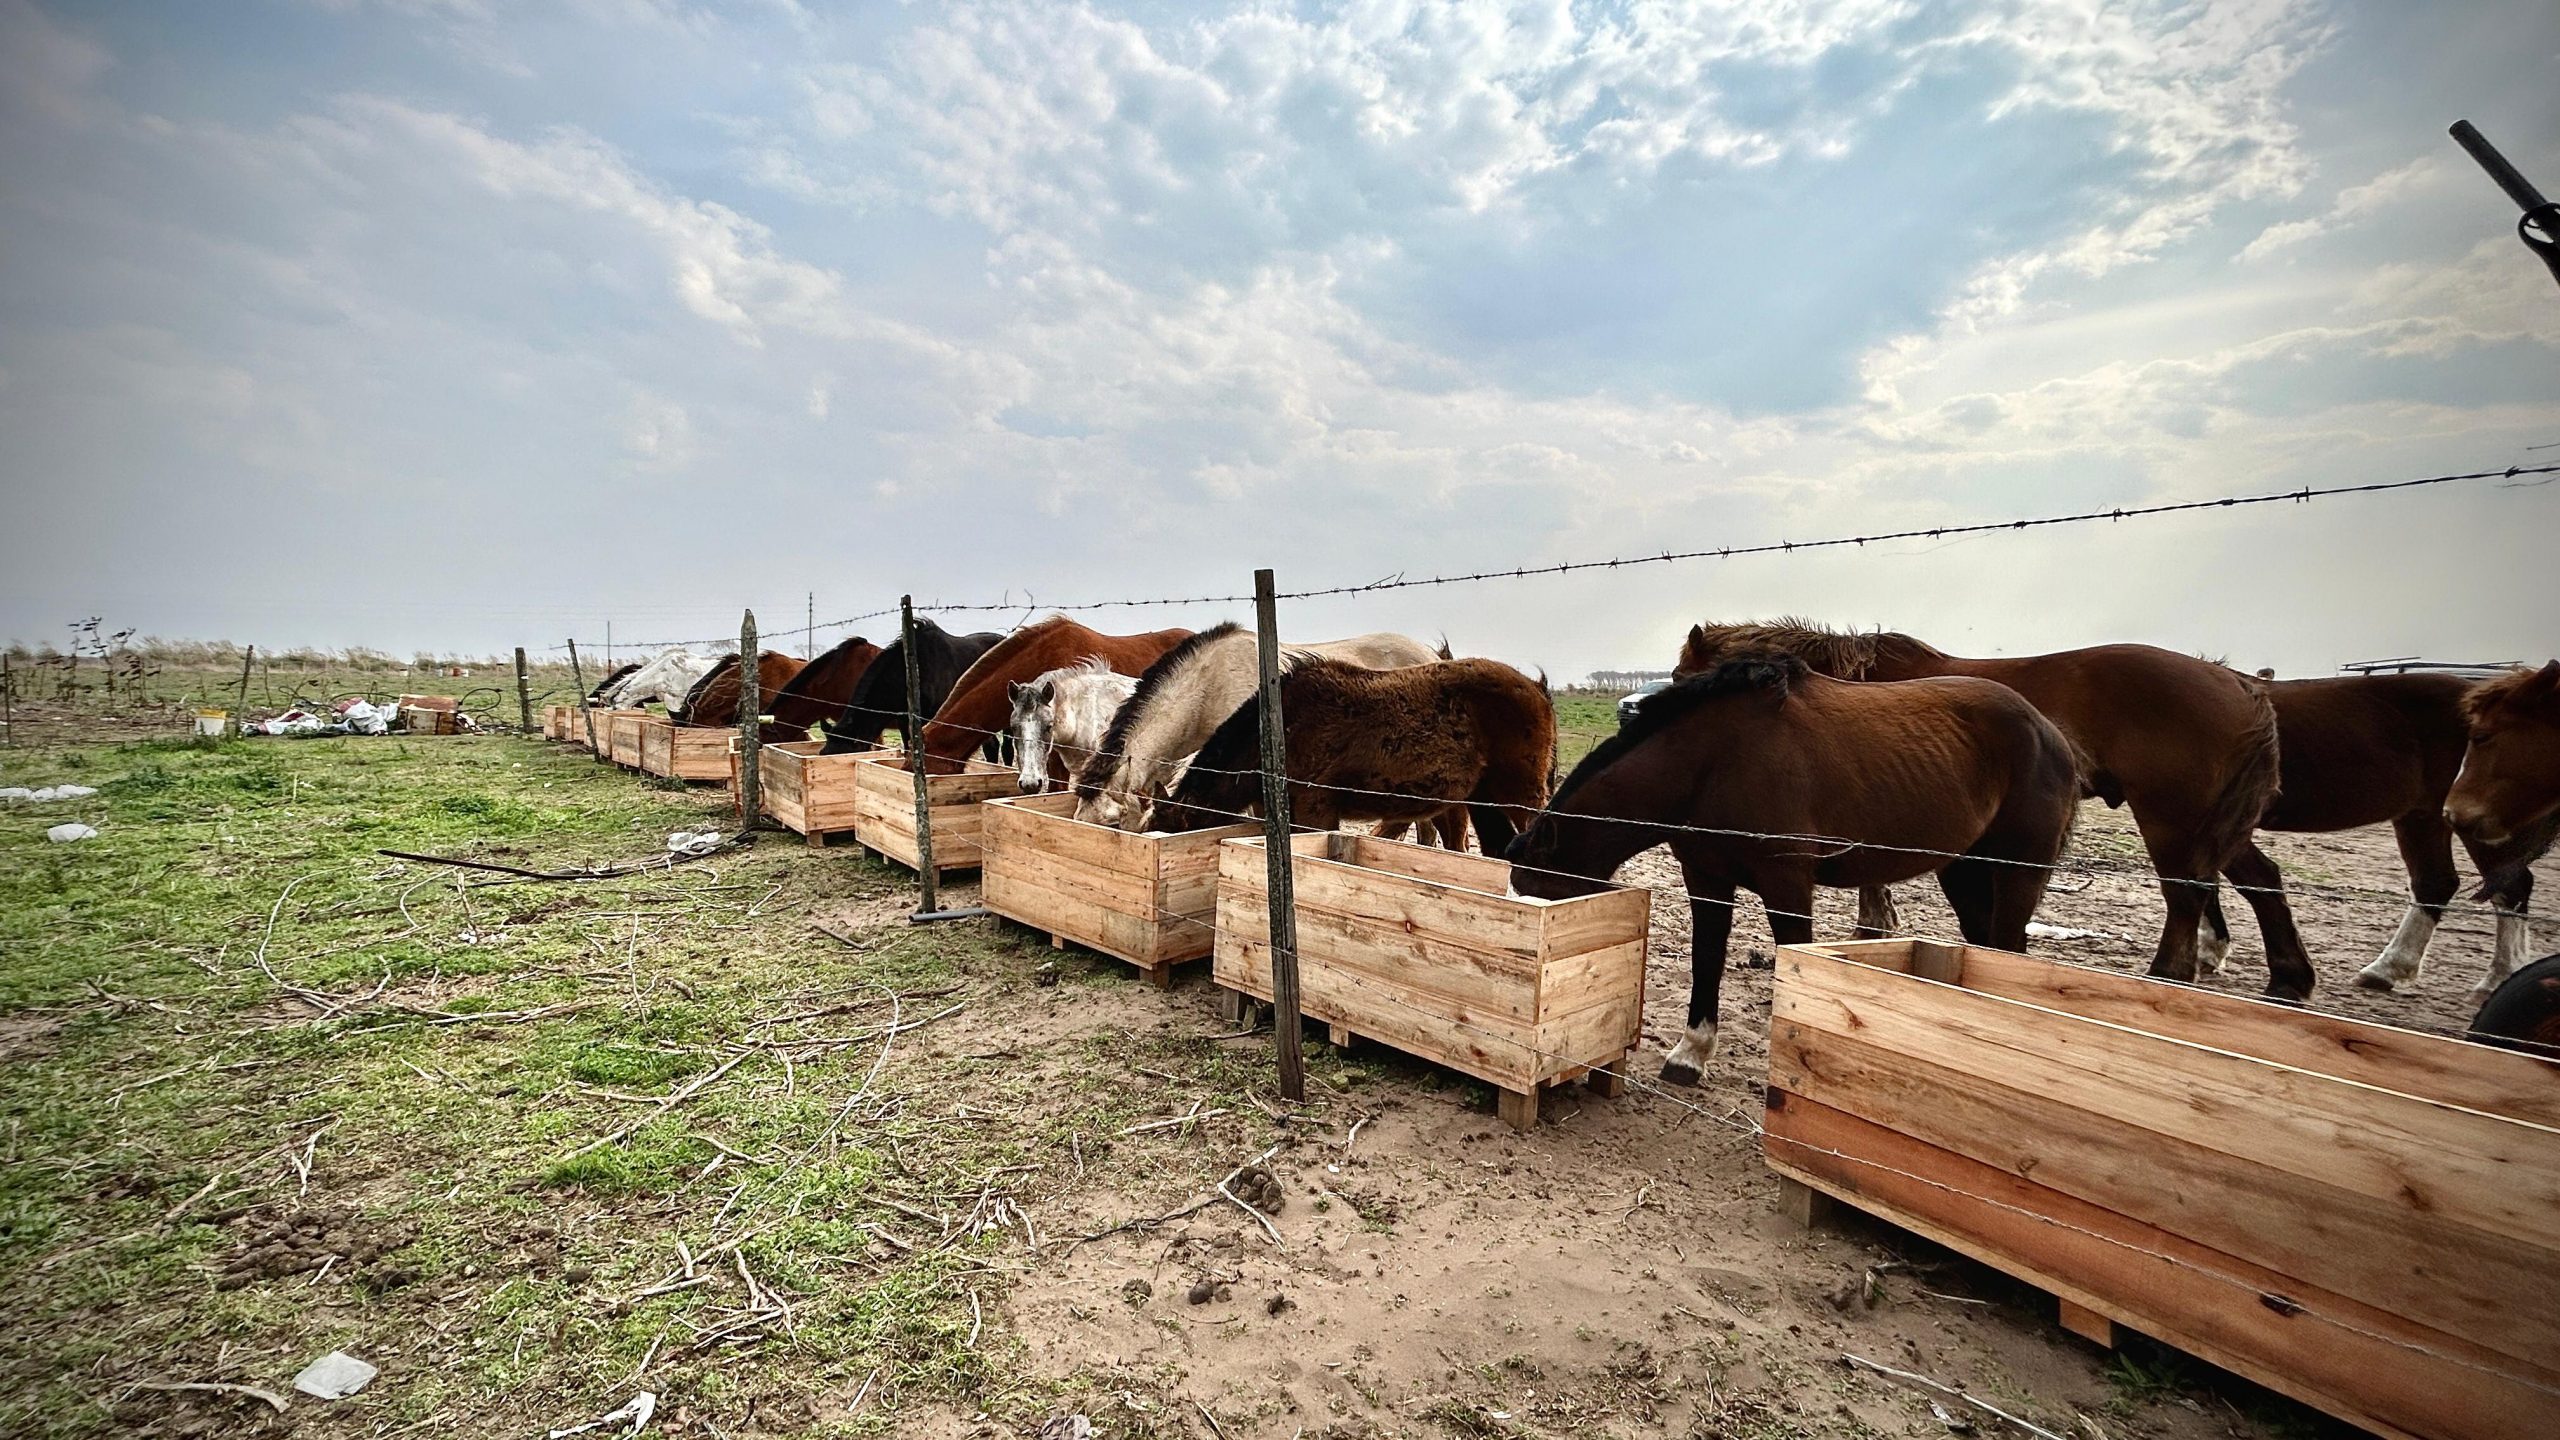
x=1395, y=745
x=2505, y=804
x=819, y=691
x=2365, y=750
x=2188, y=745
x=980, y=705
x=1762, y=775
x=713, y=700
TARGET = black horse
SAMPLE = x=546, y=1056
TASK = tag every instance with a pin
x=879, y=700
x=2524, y=1013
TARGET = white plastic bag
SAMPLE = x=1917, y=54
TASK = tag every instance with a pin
x=65, y=834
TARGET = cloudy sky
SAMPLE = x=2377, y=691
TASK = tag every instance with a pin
x=460, y=324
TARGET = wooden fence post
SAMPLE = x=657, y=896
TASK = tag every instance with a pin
x=931, y=880
x=578, y=677
x=245, y=657
x=524, y=695
x=1282, y=877
x=8, y=701
x=750, y=726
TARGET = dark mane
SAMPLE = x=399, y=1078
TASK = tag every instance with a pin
x=818, y=669
x=1777, y=671
x=2511, y=688
x=611, y=680
x=694, y=693
x=1843, y=654
x=1115, y=740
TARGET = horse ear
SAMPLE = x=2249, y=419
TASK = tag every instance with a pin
x=2546, y=681
x=1015, y=690
x=1046, y=690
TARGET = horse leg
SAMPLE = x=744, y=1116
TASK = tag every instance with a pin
x=2514, y=936
x=2184, y=880
x=2289, y=973
x=1453, y=829
x=1710, y=928
x=1493, y=827
x=1877, y=917
x=1970, y=891
x=2213, y=946
x=2426, y=848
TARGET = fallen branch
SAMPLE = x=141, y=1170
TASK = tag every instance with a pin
x=669, y=1103
x=215, y=1387
x=616, y=871
x=1952, y=1393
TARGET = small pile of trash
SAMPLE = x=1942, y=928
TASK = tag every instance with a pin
x=21, y=795
x=356, y=716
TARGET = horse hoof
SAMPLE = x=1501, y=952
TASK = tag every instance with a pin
x=1674, y=1073
x=2287, y=997
x=2367, y=980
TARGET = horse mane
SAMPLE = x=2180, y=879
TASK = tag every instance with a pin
x=1842, y=654
x=616, y=678
x=1775, y=670
x=1003, y=651
x=2515, y=688
x=1115, y=740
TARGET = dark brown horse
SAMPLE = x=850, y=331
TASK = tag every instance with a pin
x=2523, y=1013
x=981, y=701
x=2365, y=750
x=878, y=703
x=2506, y=802
x=2188, y=745
x=713, y=700
x=1790, y=780
x=1394, y=745
x=819, y=692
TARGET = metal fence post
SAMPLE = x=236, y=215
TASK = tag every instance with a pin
x=524, y=694
x=750, y=726
x=578, y=677
x=930, y=881
x=1281, y=879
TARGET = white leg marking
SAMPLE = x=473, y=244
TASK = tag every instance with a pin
x=2513, y=938
x=2400, y=960
x=1688, y=1059
x=2211, y=949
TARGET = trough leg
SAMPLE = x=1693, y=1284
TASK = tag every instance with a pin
x=1609, y=1081
x=1802, y=1203
x=1518, y=1108
x=1341, y=1036
x=2088, y=1324
x=1232, y=1006
x=1160, y=976
x=1057, y=941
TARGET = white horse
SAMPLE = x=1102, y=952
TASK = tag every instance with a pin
x=664, y=677
x=1065, y=711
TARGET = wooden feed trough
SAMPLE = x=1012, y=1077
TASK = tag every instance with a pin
x=685, y=752
x=1423, y=949
x=622, y=737
x=601, y=743
x=884, y=808
x=2363, y=1218
x=428, y=720
x=803, y=790
x=557, y=720
x=1150, y=899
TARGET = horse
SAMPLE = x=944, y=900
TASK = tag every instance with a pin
x=605, y=686
x=1059, y=719
x=663, y=677
x=879, y=703
x=2365, y=750
x=819, y=691
x=2523, y=1013
x=1396, y=745
x=2505, y=801
x=2188, y=745
x=1184, y=696
x=981, y=701
x=713, y=700
x=1787, y=779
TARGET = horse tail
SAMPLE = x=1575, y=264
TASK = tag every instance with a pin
x=2248, y=789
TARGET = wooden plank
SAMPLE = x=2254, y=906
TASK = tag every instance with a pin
x=2460, y=1166
x=2325, y=1350
x=2488, y=1289
x=2456, y=1072
x=1483, y=874
x=1610, y=976
x=1010, y=894
x=2086, y=1323
x=1588, y=922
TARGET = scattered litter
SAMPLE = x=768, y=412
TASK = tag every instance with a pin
x=353, y=716
x=1955, y=1423
x=65, y=834
x=2038, y=930
x=687, y=842
x=1067, y=1427
x=334, y=1376
x=637, y=1410
x=21, y=795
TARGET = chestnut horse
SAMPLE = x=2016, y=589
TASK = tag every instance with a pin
x=713, y=700
x=981, y=701
x=2189, y=746
x=878, y=703
x=1403, y=744
x=819, y=691
x=2364, y=750
x=2505, y=803
x=1803, y=781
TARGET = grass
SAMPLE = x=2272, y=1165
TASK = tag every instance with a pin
x=165, y=1072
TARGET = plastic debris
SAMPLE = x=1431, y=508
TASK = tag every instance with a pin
x=637, y=1410
x=687, y=842
x=20, y=794
x=2038, y=930
x=65, y=834
x=1067, y=1427
x=334, y=1376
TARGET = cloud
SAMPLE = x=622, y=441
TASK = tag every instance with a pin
x=2351, y=205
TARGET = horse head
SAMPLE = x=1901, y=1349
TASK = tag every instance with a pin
x=1030, y=727
x=2510, y=777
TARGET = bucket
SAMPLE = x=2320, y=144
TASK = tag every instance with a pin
x=213, y=723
